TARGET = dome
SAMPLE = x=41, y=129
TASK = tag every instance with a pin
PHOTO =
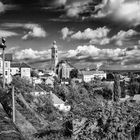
x=54, y=45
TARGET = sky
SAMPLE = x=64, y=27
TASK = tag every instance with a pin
x=87, y=32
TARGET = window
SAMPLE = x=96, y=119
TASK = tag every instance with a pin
x=6, y=73
x=6, y=64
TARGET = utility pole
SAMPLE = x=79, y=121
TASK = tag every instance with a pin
x=3, y=46
x=13, y=103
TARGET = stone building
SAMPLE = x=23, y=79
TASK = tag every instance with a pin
x=54, y=56
x=7, y=63
x=23, y=69
x=63, y=69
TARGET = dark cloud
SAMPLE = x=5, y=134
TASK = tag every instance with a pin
x=29, y=3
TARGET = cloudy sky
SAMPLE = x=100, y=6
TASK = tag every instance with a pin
x=87, y=32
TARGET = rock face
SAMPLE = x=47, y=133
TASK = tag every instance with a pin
x=8, y=130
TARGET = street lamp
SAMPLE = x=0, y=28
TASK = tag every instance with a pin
x=3, y=46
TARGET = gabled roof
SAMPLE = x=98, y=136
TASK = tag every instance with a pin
x=46, y=75
x=20, y=65
x=65, y=62
x=56, y=100
x=15, y=65
x=8, y=57
x=25, y=65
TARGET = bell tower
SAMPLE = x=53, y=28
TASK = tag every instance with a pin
x=54, y=56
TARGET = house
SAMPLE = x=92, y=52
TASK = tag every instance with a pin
x=36, y=80
x=47, y=79
x=60, y=104
x=7, y=63
x=23, y=69
x=92, y=75
x=136, y=98
x=57, y=102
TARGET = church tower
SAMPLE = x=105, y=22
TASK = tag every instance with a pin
x=54, y=56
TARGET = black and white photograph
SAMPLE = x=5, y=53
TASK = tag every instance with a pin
x=69, y=69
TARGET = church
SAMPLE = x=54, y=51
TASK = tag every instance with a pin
x=61, y=68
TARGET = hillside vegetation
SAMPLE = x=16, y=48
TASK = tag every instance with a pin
x=96, y=112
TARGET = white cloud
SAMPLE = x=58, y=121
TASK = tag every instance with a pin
x=5, y=33
x=124, y=34
x=139, y=42
x=119, y=38
x=94, y=52
x=74, y=8
x=87, y=53
x=90, y=53
x=65, y=32
x=31, y=54
x=130, y=12
x=2, y=7
x=100, y=36
x=107, y=7
x=122, y=10
x=90, y=34
x=35, y=30
x=60, y=2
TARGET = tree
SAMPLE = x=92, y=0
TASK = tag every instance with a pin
x=117, y=89
x=133, y=86
x=74, y=73
x=34, y=74
x=22, y=84
x=123, y=87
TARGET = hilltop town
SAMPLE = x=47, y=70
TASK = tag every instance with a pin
x=64, y=102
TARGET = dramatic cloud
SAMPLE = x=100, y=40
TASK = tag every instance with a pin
x=5, y=33
x=65, y=32
x=75, y=8
x=129, y=12
x=35, y=30
x=122, y=10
